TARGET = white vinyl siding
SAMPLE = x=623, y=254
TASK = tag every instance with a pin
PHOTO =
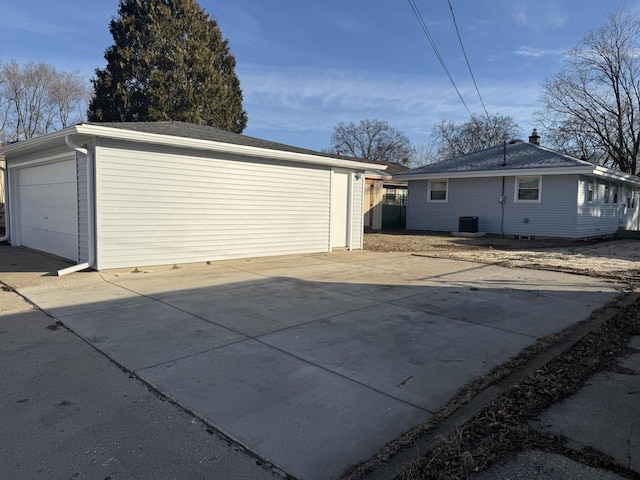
x=160, y=206
x=595, y=216
x=83, y=211
x=553, y=216
x=466, y=198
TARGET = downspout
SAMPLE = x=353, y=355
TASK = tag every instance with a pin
x=90, y=210
x=5, y=176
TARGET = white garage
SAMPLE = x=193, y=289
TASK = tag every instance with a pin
x=135, y=194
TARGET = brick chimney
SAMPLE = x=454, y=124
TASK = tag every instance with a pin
x=534, y=138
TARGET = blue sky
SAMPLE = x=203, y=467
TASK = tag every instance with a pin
x=305, y=66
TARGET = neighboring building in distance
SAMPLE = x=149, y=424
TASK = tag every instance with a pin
x=522, y=189
x=385, y=199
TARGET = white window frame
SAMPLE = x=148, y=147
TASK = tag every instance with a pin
x=591, y=190
x=516, y=198
x=446, y=191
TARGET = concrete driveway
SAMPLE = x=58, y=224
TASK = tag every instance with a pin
x=313, y=362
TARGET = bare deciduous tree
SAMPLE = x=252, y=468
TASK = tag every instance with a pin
x=453, y=139
x=372, y=140
x=35, y=98
x=592, y=105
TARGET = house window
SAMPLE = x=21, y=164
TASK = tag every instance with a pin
x=590, y=189
x=438, y=190
x=607, y=192
x=615, y=193
x=528, y=189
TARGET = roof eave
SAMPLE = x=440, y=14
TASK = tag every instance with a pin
x=35, y=142
x=170, y=140
x=616, y=174
x=581, y=170
x=194, y=143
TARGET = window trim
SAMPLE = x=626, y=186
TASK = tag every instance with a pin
x=591, y=190
x=446, y=191
x=516, y=198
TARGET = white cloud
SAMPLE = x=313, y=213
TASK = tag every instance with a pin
x=14, y=20
x=533, y=52
x=306, y=103
x=539, y=14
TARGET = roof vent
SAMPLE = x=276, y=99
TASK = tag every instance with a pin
x=534, y=138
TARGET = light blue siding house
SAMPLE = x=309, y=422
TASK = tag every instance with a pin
x=522, y=189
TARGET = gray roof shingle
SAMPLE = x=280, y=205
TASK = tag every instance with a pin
x=520, y=156
x=204, y=132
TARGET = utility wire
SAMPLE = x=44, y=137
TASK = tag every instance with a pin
x=453, y=15
x=425, y=29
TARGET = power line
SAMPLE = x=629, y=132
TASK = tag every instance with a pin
x=425, y=29
x=453, y=15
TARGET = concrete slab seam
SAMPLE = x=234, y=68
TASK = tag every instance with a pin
x=210, y=427
x=257, y=339
x=425, y=441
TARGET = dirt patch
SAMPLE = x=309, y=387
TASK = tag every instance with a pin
x=615, y=259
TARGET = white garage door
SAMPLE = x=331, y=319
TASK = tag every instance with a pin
x=47, y=206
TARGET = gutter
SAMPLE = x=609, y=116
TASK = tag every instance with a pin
x=216, y=146
x=90, y=209
x=193, y=143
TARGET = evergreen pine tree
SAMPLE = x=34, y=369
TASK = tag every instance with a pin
x=169, y=61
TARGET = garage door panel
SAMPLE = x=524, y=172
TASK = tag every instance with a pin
x=48, y=212
x=49, y=219
x=61, y=244
x=50, y=173
x=59, y=195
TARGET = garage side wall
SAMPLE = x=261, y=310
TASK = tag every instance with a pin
x=160, y=206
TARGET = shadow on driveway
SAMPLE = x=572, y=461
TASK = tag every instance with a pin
x=314, y=362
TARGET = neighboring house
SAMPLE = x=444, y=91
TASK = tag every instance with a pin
x=522, y=189
x=385, y=198
x=133, y=194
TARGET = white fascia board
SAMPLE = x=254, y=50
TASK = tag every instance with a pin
x=499, y=173
x=34, y=143
x=616, y=175
x=170, y=140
